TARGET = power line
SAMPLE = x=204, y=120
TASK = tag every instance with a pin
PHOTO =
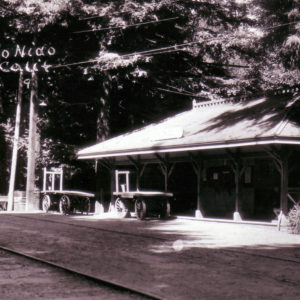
x=227, y=65
x=143, y=53
x=178, y=89
x=90, y=18
x=152, y=51
x=97, y=17
x=157, y=21
x=162, y=50
x=120, y=56
x=233, y=98
x=127, y=26
x=179, y=93
x=281, y=25
x=74, y=64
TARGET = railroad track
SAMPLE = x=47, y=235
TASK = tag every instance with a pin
x=156, y=238
x=119, y=291
x=183, y=256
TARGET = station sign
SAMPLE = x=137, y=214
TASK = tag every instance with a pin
x=25, y=59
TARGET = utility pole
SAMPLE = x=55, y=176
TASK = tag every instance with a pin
x=15, y=145
x=31, y=202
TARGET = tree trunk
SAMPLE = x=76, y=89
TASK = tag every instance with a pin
x=103, y=110
x=103, y=130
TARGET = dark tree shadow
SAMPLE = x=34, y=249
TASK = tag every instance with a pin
x=266, y=113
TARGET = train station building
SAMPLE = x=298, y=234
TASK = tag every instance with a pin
x=225, y=159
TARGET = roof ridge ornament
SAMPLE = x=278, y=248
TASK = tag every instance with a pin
x=201, y=104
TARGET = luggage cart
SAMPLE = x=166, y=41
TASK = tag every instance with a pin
x=65, y=201
x=142, y=203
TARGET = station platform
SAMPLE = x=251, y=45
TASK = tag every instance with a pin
x=179, y=258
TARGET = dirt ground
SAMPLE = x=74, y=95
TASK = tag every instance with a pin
x=21, y=278
x=173, y=259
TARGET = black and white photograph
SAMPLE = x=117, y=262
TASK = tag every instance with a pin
x=149, y=149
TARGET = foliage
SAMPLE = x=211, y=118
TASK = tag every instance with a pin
x=294, y=219
x=122, y=64
x=280, y=43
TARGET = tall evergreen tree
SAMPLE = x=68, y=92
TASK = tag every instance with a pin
x=122, y=64
x=280, y=43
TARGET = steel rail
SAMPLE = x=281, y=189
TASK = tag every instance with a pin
x=161, y=239
x=96, y=229
x=109, y=284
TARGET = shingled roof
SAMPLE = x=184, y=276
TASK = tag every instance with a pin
x=210, y=125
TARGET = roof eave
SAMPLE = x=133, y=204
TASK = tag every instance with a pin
x=181, y=148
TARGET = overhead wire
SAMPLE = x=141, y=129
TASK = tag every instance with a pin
x=291, y=90
x=202, y=97
x=162, y=50
x=281, y=25
x=191, y=94
x=179, y=93
x=158, y=21
x=120, y=56
x=90, y=18
x=97, y=17
x=126, y=26
x=139, y=24
x=178, y=89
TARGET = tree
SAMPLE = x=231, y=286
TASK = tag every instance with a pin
x=190, y=54
x=121, y=64
x=280, y=43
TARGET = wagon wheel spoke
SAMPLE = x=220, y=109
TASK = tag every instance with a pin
x=64, y=204
x=140, y=209
x=121, y=208
x=46, y=203
x=165, y=209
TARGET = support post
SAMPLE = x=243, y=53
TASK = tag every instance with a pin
x=53, y=181
x=197, y=164
x=32, y=203
x=139, y=173
x=15, y=145
x=284, y=185
x=281, y=158
x=99, y=209
x=199, y=214
x=108, y=165
x=112, y=188
x=236, y=214
x=166, y=168
x=140, y=168
x=45, y=179
x=137, y=183
x=165, y=172
x=238, y=171
x=116, y=183
x=61, y=179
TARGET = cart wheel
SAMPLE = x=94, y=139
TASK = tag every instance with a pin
x=121, y=209
x=64, y=204
x=46, y=203
x=140, y=209
x=166, y=209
